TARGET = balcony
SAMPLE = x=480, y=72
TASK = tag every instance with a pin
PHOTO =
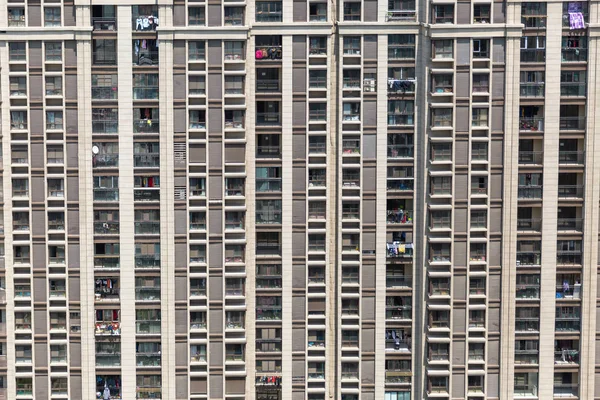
x=529, y=258
x=399, y=250
x=104, y=360
x=103, y=262
x=571, y=157
x=147, y=227
x=398, y=281
x=268, y=86
x=104, y=92
x=400, y=151
x=400, y=184
x=105, y=160
x=401, y=86
x=145, y=58
x=527, y=291
x=151, y=327
x=268, y=53
x=396, y=313
x=530, y=192
x=268, y=151
x=400, y=119
x=146, y=126
x=570, y=191
x=532, y=89
x=104, y=23
x=399, y=216
x=146, y=194
x=574, y=54
x=572, y=123
x=268, y=216
x=529, y=224
x=106, y=194
x=147, y=293
x=147, y=261
x=568, y=291
x=268, y=118
x=566, y=390
x=104, y=58
x=110, y=126
x=148, y=359
x=570, y=224
x=573, y=89
x=531, y=124
x=144, y=18
x=401, y=15
x=106, y=228
x=110, y=328
x=147, y=160
x=566, y=357
x=569, y=257
x=533, y=55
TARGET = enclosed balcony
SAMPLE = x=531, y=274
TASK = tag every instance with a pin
x=401, y=112
x=573, y=83
x=529, y=219
x=144, y=18
x=146, y=188
x=148, y=354
x=532, y=83
x=399, y=211
x=566, y=352
x=146, y=155
x=104, y=18
x=105, y=120
x=527, y=319
x=572, y=118
x=104, y=52
x=574, y=49
x=234, y=187
x=107, y=156
x=533, y=49
x=566, y=384
x=108, y=353
x=268, y=212
x=570, y=219
x=268, y=308
x=531, y=118
x=147, y=288
x=400, y=146
x=145, y=52
x=147, y=222
x=533, y=15
x=147, y=255
x=145, y=120
x=569, y=252
x=570, y=185
x=568, y=287
x=108, y=322
x=104, y=87
x=529, y=253
x=526, y=352
x=530, y=186
x=268, y=48
x=268, y=146
x=106, y=289
x=398, y=308
x=571, y=151
x=147, y=321
x=268, y=113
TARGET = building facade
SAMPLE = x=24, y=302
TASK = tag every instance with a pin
x=299, y=200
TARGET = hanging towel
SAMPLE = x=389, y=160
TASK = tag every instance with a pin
x=576, y=20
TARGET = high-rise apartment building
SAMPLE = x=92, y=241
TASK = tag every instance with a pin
x=299, y=200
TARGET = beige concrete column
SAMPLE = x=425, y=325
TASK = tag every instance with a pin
x=286, y=217
x=550, y=202
x=126, y=216
x=167, y=205
x=589, y=282
x=381, y=205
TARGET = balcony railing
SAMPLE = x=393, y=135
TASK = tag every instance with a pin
x=147, y=327
x=400, y=185
x=532, y=89
x=268, y=217
x=105, y=194
x=399, y=217
x=146, y=58
x=104, y=24
x=571, y=157
x=527, y=291
x=146, y=194
x=525, y=390
x=400, y=151
x=533, y=55
x=400, y=15
x=566, y=356
x=106, y=294
x=399, y=250
x=105, y=160
x=104, y=58
x=529, y=258
x=529, y=224
x=566, y=390
x=147, y=227
x=570, y=224
x=531, y=157
x=106, y=262
x=268, y=151
x=107, y=328
x=106, y=228
x=574, y=54
x=395, y=119
x=530, y=192
x=268, y=118
x=108, y=359
x=572, y=291
x=398, y=281
x=268, y=85
x=533, y=124
x=146, y=126
x=573, y=89
x=105, y=126
x=104, y=92
x=570, y=191
x=147, y=293
x=147, y=160
x=147, y=261
x=572, y=123
x=147, y=359
x=569, y=257
x=268, y=53
x=398, y=344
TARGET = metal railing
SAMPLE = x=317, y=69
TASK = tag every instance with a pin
x=570, y=191
x=570, y=224
x=573, y=89
x=525, y=258
x=533, y=55
x=104, y=92
x=147, y=227
x=529, y=224
x=146, y=58
x=532, y=89
x=268, y=85
x=146, y=126
x=104, y=24
x=532, y=124
x=400, y=151
x=105, y=126
x=572, y=123
x=147, y=160
x=574, y=54
x=105, y=160
x=104, y=58
x=530, y=192
x=106, y=194
x=400, y=15
x=268, y=118
x=531, y=157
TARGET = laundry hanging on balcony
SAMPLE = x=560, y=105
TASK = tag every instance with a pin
x=576, y=20
x=401, y=85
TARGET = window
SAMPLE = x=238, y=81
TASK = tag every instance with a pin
x=351, y=112
x=352, y=11
x=438, y=384
x=443, y=48
x=145, y=86
x=442, y=83
x=317, y=12
x=317, y=45
x=53, y=86
x=401, y=47
x=317, y=79
x=442, y=14
x=198, y=353
x=352, y=45
x=17, y=51
x=440, y=152
x=479, y=117
x=234, y=84
x=478, y=219
x=440, y=185
x=268, y=11
x=533, y=49
x=441, y=117
x=234, y=16
x=20, y=187
x=233, y=50
x=479, y=185
x=477, y=252
x=477, y=286
x=574, y=48
x=53, y=51
x=104, y=86
x=55, y=154
x=16, y=16
x=481, y=48
x=56, y=188
x=54, y=120
x=479, y=151
x=440, y=219
x=533, y=15
x=56, y=221
x=401, y=112
x=438, y=352
x=268, y=179
x=197, y=119
x=196, y=51
x=197, y=187
x=196, y=16
x=481, y=83
x=18, y=86
x=439, y=252
x=52, y=16
x=481, y=13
